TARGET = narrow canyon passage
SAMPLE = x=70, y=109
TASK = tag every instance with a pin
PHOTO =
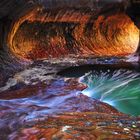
x=69, y=70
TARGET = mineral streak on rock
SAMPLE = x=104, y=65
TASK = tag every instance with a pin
x=63, y=32
x=99, y=28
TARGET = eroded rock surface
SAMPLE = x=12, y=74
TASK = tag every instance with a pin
x=37, y=105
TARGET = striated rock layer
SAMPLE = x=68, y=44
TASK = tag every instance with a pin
x=46, y=29
x=67, y=33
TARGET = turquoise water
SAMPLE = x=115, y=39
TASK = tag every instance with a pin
x=119, y=88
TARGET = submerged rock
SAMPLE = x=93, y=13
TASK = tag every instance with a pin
x=87, y=125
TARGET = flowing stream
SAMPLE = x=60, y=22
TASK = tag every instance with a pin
x=119, y=88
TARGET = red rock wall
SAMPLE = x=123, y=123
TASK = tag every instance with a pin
x=45, y=34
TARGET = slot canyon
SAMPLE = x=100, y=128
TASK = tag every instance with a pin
x=70, y=70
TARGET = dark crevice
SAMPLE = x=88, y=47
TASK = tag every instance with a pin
x=78, y=71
